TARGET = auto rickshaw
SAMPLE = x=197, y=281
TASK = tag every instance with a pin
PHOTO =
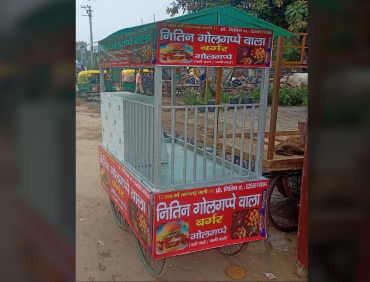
x=129, y=81
x=88, y=83
x=128, y=78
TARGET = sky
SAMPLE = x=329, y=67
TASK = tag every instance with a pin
x=112, y=15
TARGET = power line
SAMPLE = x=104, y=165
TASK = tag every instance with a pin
x=111, y=7
x=100, y=3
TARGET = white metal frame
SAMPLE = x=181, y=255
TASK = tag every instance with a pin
x=145, y=156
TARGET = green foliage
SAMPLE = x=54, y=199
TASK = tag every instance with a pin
x=296, y=15
x=241, y=93
x=272, y=11
x=287, y=96
x=201, y=102
x=224, y=98
x=211, y=92
x=256, y=94
x=88, y=64
x=190, y=97
x=293, y=97
x=289, y=54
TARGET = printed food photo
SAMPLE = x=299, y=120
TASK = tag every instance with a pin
x=104, y=178
x=172, y=236
x=140, y=54
x=176, y=53
x=250, y=55
x=138, y=221
x=245, y=224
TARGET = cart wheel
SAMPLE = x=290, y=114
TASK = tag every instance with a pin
x=83, y=94
x=302, y=271
x=234, y=250
x=118, y=217
x=292, y=181
x=283, y=212
x=156, y=268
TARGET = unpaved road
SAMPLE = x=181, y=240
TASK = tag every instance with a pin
x=118, y=259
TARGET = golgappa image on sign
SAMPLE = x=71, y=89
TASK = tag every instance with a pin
x=172, y=236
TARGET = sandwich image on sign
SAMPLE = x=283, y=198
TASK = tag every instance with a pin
x=172, y=236
x=176, y=53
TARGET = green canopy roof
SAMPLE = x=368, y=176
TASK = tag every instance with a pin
x=228, y=16
x=223, y=16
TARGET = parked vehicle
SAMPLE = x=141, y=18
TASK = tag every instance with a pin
x=88, y=83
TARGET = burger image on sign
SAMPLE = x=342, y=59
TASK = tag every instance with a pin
x=171, y=238
x=176, y=53
x=104, y=178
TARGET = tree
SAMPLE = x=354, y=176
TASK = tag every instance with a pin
x=88, y=63
x=287, y=14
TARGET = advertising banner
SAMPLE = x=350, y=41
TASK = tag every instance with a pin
x=197, y=219
x=217, y=46
x=133, y=48
x=131, y=198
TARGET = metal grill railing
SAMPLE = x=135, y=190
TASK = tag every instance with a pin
x=238, y=172
x=143, y=142
x=138, y=137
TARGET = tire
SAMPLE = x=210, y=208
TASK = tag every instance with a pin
x=282, y=211
x=83, y=94
x=118, y=217
x=234, y=250
x=156, y=268
x=302, y=271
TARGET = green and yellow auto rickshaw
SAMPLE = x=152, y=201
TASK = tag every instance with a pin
x=129, y=79
x=88, y=83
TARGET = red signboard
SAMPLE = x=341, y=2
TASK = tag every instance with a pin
x=197, y=219
x=205, y=45
x=180, y=44
x=131, y=198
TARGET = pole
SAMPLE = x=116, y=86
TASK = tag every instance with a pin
x=91, y=39
x=102, y=85
x=89, y=13
x=157, y=138
x=218, y=92
x=275, y=98
x=261, y=121
x=205, y=92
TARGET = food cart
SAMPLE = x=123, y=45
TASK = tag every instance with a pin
x=176, y=195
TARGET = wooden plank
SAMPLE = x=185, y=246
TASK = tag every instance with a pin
x=275, y=97
x=285, y=164
x=218, y=86
x=303, y=47
x=218, y=93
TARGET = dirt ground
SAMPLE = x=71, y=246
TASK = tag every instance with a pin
x=118, y=258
